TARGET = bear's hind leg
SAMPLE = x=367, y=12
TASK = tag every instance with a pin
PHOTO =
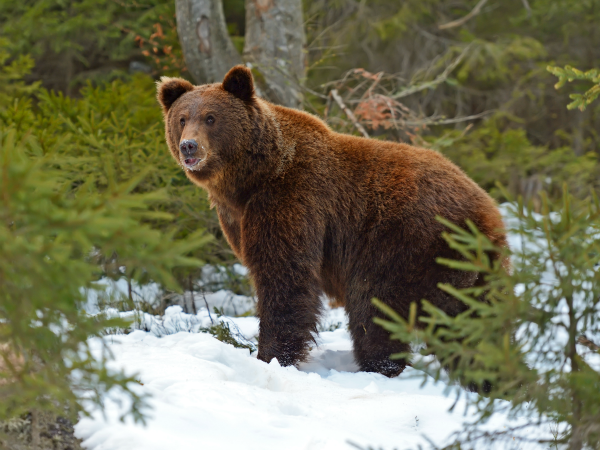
x=373, y=347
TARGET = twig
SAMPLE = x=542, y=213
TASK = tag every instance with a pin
x=583, y=340
x=192, y=294
x=311, y=91
x=327, y=107
x=431, y=121
x=459, y=22
x=439, y=79
x=207, y=308
x=350, y=114
x=554, y=441
x=129, y=294
x=375, y=83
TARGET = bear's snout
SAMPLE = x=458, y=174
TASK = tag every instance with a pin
x=189, y=150
x=188, y=147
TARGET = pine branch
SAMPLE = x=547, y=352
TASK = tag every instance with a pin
x=569, y=74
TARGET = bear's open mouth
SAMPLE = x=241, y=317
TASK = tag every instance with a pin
x=191, y=162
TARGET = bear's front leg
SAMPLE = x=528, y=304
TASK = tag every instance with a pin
x=281, y=249
x=288, y=313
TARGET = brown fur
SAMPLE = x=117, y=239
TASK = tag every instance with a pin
x=309, y=210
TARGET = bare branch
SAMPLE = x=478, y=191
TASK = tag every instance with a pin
x=327, y=107
x=433, y=121
x=462, y=21
x=583, y=340
x=438, y=80
x=194, y=310
x=348, y=112
x=207, y=308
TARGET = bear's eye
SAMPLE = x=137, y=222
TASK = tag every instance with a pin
x=182, y=122
x=210, y=120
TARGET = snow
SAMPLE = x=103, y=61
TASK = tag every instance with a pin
x=205, y=394
x=111, y=290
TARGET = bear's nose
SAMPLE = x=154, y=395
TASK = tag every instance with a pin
x=188, y=147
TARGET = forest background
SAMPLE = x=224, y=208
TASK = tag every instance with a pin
x=477, y=90
x=84, y=164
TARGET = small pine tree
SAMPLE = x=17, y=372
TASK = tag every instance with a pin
x=58, y=227
x=50, y=241
x=12, y=85
x=113, y=133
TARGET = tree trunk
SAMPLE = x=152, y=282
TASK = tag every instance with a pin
x=207, y=47
x=274, y=45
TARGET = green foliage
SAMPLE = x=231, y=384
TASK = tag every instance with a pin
x=113, y=134
x=28, y=23
x=222, y=332
x=570, y=74
x=498, y=152
x=493, y=62
x=402, y=17
x=72, y=41
x=523, y=338
x=88, y=189
x=507, y=49
x=50, y=242
x=229, y=333
x=12, y=85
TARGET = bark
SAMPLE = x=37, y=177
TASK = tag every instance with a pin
x=207, y=47
x=274, y=46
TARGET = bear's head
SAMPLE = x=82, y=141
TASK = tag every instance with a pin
x=208, y=127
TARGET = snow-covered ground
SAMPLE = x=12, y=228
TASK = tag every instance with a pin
x=209, y=395
x=205, y=394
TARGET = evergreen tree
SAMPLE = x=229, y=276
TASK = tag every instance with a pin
x=63, y=215
x=50, y=241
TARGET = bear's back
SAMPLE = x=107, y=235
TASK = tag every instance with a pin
x=380, y=183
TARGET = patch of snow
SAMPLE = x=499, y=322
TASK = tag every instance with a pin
x=207, y=394
x=227, y=302
x=113, y=289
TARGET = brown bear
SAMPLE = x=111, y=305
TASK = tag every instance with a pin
x=311, y=211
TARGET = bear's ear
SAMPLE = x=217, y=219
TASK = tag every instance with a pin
x=240, y=83
x=170, y=89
